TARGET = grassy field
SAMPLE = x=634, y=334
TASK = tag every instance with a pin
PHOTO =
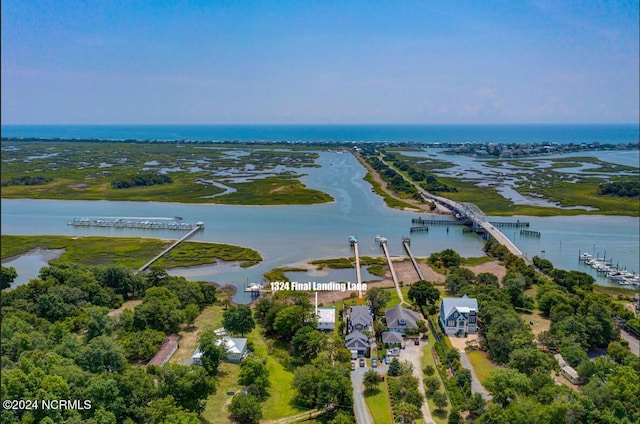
x=482, y=365
x=215, y=411
x=476, y=261
x=281, y=393
x=540, y=323
x=129, y=252
x=210, y=316
x=378, y=402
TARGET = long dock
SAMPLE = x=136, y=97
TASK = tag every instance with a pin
x=358, y=272
x=383, y=243
x=413, y=259
x=197, y=228
x=145, y=224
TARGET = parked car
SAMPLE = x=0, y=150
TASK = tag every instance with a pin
x=353, y=366
x=362, y=362
x=386, y=360
x=416, y=342
x=374, y=363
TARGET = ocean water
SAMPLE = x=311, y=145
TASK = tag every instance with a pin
x=565, y=134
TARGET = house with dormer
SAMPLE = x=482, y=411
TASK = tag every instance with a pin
x=355, y=340
x=400, y=319
x=459, y=315
x=360, y=318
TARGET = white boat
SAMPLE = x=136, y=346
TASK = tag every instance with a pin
x=254, y=287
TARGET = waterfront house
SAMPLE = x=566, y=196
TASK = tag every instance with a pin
x=166, y=351
x=360, y=318
x=459, y=315
x=400, y=319
x=326, y=319
x=236, y=348
x=355, y=340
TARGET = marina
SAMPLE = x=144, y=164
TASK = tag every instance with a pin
x=615, y=273
x=142, y=223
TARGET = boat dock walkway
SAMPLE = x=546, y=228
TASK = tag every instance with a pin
x=383, y=243
x=197, y=228
x=354, y=243
x=413, y=259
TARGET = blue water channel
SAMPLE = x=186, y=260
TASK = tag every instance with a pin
x=292, y=235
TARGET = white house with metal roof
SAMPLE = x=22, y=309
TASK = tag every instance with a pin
x=459, y=315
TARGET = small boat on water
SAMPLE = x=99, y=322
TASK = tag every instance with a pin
x=177, y=218
x=254, y=287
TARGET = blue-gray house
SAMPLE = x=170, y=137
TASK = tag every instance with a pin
x=459, y=315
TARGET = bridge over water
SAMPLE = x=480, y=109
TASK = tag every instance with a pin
x=467, y=212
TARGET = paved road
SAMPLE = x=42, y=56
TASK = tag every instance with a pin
x=363, y=416
x=412, y=353
x=634, y=344
x=476, y=386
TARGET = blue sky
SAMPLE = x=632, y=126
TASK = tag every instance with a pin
x=296, y=62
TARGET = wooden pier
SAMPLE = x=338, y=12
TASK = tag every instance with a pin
x=354, y=243
x=420, y=229
x=199, y=226
x=504, y=224
x=424, y=222
x=406, y=243
x=528, y=233
x=392, y=269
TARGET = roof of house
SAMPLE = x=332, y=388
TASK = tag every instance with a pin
x=169, y=344
x=326, y=315
x=234, y=345
x=462, y=304
x=391, y=337
x=360, y=315
x=397, y=313
x=356, y=338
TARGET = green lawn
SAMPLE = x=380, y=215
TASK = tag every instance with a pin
x=378, y=403
x=281, y=393
x=215, y=411
x=482, y=365
x=277, y=405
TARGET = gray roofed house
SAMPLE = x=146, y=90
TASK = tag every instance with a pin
x=459, y=315
x=357, y=341
x=360, y=318
x=236, y=349
x=392, y=338
x=400, y=319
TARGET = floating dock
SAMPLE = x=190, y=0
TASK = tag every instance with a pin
x=134, y=223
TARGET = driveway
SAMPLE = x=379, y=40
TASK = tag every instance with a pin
x=360, y=409
x=476, y=387
x=413, y=353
